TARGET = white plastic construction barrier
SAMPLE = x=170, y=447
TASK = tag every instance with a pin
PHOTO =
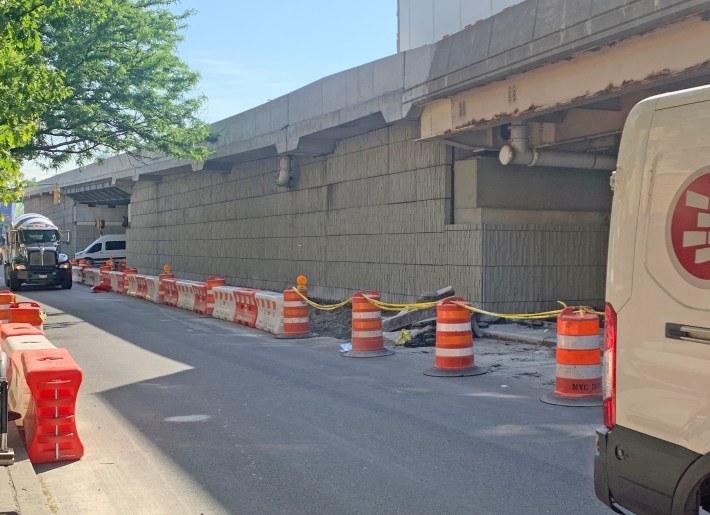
x=15, y=341
x=186, y=296
x=77, y=276
x=132, y=289
x=153, y=289
x=116, y=282
x=92, y=276
x=270, y=315
x=225, y=303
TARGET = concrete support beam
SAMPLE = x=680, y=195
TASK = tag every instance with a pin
x=630, y=65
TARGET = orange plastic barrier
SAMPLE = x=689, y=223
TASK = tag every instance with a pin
x=454, y=341
x=367, y=339
x=6, y=299
x=170, y=291
x=296, y=322
x=50, y=424
x=142, y=290
x=212, y=283
x=105, y=272
x=173, y=294
x=16, y=339
x=126, y=274
x=18, y=329
x=27, y=312
x=246, y=311
x=579, y=369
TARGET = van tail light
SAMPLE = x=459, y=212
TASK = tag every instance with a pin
x=609, y=373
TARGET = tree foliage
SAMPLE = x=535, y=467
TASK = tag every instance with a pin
x=28, y=84
x=79, y=78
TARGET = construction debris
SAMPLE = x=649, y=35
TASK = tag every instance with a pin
x=407, y=318
x=432, y=296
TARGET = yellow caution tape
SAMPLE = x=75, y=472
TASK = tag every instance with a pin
x=388, y=306
x=323, y=307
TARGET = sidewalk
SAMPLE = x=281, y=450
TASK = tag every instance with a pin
x=20, y=488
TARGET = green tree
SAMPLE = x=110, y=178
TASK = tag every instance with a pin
x=28, y=84
x=95, y=77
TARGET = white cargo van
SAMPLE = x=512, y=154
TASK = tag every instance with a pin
x=108, y=246
x=653, y=455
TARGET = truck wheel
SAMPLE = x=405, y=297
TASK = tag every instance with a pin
x=67, y=284
x=14, y=282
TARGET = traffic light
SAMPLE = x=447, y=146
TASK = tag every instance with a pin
x=100, y=224
x=57, y=193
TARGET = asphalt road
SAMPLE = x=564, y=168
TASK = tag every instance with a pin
x=186, y=414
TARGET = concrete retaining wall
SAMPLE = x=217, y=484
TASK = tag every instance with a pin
x=375, y=214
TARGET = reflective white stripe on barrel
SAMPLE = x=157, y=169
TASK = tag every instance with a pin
x=364, y=315
x=294, y=303
x=565, y=341
x=296, y=320
x=453, y=328
x=367, y=334
x=450, y=353
x=579, y=371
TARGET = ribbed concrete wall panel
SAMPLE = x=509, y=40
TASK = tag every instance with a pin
x=572, y=283
x=512, y=283
x=514, y=248
x=462, y=248
x=583, y=247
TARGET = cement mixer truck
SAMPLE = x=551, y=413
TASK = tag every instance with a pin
x=33, y=255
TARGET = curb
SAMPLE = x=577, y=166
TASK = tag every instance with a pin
x=543, y=340
x=24, y=492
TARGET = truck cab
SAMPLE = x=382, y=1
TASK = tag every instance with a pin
x=653, y=453
x=32, y=254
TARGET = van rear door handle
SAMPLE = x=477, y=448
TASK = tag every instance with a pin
x=688, y=333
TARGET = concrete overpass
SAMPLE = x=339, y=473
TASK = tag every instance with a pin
x=388, y=176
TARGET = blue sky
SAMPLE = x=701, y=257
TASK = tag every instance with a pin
x=249, y=52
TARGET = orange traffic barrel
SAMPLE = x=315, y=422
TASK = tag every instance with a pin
x=454, y=341
x=27, y=312
x=578, y=380
x=297, y=323
x=367, y=339
x=6, y=298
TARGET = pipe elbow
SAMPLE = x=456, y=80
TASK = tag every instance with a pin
x=284, y=178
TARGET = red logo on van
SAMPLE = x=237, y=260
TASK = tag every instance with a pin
x=690, y=228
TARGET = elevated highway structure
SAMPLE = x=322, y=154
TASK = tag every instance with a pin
x=481, y=161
